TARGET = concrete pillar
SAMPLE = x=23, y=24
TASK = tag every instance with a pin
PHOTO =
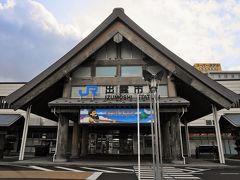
x=84, y=144
x=24, y=135
x=166, y=142
x=75, y=140
x=62, y=142
x=218, y=135
x=175, y=138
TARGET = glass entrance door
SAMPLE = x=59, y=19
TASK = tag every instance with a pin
x=126, y=143
x=110, y=142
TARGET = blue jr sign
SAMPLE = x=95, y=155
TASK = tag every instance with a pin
x=91, y=89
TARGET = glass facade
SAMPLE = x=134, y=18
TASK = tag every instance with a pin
x=118, y=142
x=110, y=142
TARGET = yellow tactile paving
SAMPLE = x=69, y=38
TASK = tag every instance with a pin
x=45, y=174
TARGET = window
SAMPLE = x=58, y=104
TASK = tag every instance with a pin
x=82, y=72
x=208, y=122
x=106, y=71
x=131, y=71
x=163, y=90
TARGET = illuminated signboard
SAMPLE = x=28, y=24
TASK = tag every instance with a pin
x=124, y=115
x=208, y=67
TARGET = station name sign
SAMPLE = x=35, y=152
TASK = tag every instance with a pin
x=118, y=93
x=110, y=92
x=124, y=97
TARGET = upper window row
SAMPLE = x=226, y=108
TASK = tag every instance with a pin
x=109, y=71
x=224, y=76
x=113, y=71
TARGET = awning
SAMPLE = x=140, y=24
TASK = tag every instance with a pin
x=233, y=119
x=7, y=120
x=165, y=101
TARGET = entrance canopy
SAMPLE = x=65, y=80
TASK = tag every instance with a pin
x=85, y=103
x=232, y=118
x=73, y=105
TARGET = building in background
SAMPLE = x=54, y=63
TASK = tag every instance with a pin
x=41, y=130
x=202, y=131
x=208, y=67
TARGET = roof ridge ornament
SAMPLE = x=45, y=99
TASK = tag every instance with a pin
x=118, y=9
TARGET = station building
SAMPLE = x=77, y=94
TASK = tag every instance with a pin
x=95, y=86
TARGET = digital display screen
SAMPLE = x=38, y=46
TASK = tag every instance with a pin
x=114, y=115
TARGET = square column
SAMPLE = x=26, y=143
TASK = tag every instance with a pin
x=84, y=144
x=218, y=135
x=166, y=142
x=75, y=140
x=62, y=141
x=175, y=138
x=24, y=135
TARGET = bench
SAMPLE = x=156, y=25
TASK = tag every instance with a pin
x=207, y=149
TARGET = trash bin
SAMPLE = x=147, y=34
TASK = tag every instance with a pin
x=41, y=150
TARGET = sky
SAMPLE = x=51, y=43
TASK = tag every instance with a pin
x=36, y=33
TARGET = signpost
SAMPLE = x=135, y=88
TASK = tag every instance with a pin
x=138, y=131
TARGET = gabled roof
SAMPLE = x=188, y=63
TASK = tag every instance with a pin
x=182, y=70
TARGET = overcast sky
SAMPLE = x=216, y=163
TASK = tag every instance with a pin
x=36, y=33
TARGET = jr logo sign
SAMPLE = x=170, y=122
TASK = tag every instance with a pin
x=91, y=89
